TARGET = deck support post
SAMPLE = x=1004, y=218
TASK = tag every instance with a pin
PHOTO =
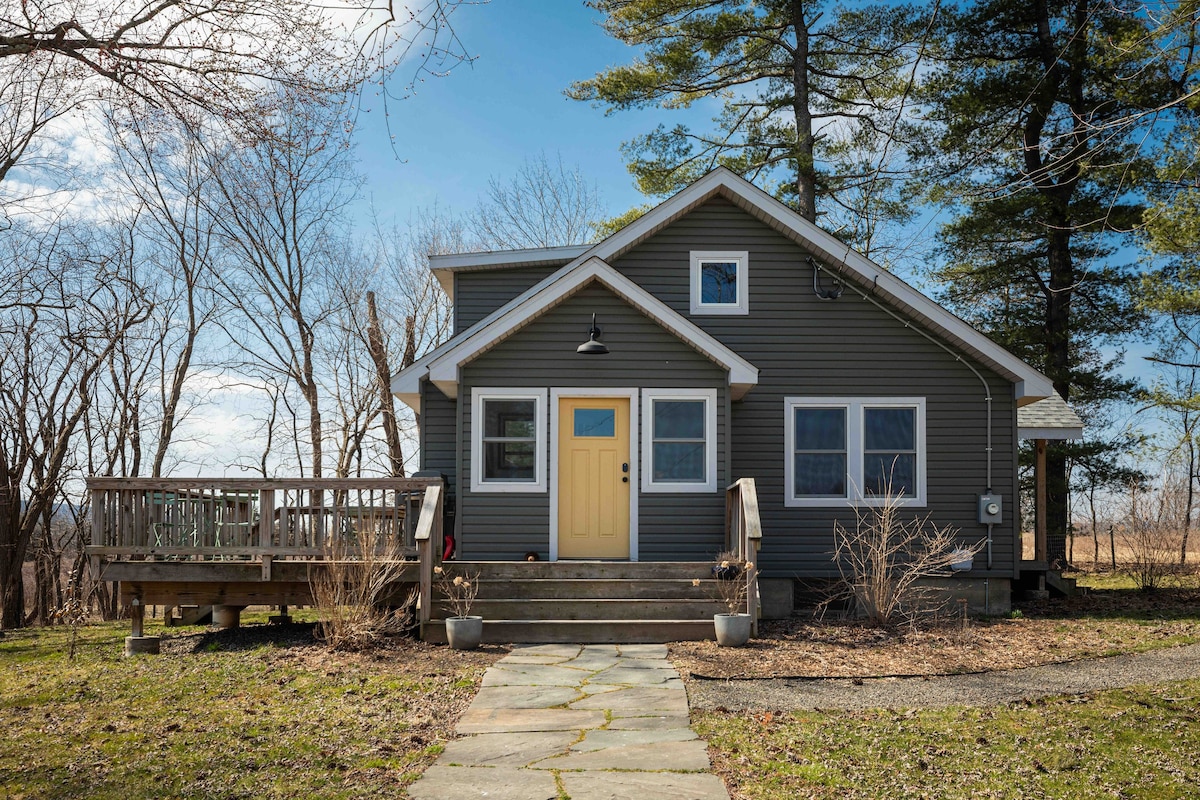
x=139, y=643
x=282, y=618
x=227, y=617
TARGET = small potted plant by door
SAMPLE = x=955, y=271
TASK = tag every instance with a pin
x=731, y=576
x=463, y=631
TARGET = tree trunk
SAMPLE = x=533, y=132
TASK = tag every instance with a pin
x=806, y=173
x=12, y=557
x=383, y=376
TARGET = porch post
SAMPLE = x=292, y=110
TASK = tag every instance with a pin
x=1039, y=503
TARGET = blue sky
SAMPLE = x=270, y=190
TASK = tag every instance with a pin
x=486, y=118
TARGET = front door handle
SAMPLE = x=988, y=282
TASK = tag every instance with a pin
x=625, y=467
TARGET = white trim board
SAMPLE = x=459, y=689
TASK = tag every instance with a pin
x=634, y=437
x=1030, y=385
x=443, y=364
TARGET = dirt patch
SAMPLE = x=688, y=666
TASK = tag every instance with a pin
x=1105, y=623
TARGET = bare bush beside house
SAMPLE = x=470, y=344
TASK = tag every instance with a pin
x=885, y=558
x=355, y=593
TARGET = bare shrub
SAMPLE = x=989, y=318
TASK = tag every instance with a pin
x=1151, y=534
x=884, y=558
x=355, y=593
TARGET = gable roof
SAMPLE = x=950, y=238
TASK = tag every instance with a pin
x=1049, y=418
x=838, y=257
x=444, y=266
x=442, y=364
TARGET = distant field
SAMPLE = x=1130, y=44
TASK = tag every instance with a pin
x=1082, y=550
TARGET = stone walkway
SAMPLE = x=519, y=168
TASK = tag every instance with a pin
x=589, y=722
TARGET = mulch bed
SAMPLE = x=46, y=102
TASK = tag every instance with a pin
x=1100, y=623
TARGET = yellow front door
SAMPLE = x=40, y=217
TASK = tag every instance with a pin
x=593, y=477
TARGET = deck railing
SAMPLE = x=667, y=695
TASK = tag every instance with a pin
x=743, y=536
x=249, y=518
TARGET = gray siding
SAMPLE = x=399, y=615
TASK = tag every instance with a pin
x=806, y=346
x=438, y=441
x=643, y=355
x=477, y=294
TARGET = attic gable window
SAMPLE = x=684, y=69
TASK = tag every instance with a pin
x=720, y=282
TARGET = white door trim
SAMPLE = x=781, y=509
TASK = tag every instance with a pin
x=634, y=439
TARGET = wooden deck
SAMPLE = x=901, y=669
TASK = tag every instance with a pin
x=232, y=543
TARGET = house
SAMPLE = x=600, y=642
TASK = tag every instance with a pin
x=742, y=342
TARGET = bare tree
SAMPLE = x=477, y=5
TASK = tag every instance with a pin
x=546, y=204
x=163, y=167
x=74, y=304
x=203, y=59
x=280, y=212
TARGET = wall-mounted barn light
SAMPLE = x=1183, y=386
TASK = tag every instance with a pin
x=593, y=346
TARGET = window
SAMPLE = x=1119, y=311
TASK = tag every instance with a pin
x=849, y=449
x=720, y=282
x=508, y=440
x=679, y=440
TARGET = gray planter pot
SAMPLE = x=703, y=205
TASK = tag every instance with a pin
x=733, y=630
x=464, y=633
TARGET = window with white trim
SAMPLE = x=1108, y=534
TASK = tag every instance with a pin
x=679, y=440
x=720, y=282
x=508, y=440
x=843, y=450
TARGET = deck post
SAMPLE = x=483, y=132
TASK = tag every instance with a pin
x=138, y=642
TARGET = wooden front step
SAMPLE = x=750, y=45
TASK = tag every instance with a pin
x=603, y=588
x=596, y=631
x=592, y=608
x=586, y=601
x=581, y=570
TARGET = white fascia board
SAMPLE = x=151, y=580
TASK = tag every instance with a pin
x=507, y=258
x=444, y=266
x=410, y=399
x=444, y=366
x=1053, y=434
x=1031, y=385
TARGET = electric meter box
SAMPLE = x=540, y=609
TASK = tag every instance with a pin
x=991, y=507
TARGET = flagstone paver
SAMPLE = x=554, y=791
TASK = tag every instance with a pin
x=592, y=722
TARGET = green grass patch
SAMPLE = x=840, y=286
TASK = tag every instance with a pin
x=237, y=715
x=1136, y=743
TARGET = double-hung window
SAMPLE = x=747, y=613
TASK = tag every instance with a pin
x=508, y=440
x=679, y=440
x=843, y=450
x=720, y=282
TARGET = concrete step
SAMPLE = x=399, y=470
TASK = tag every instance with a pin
x=591, y=609
x=598, y=631
x=1057, y=583
x=601, y=588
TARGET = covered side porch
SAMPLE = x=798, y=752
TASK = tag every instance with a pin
x=1046, y=420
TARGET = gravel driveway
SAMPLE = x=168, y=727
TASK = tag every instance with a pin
x=984, y=689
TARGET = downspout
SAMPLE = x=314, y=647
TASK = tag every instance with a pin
x=987, y=391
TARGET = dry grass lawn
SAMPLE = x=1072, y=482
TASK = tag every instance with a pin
x=258, y=713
